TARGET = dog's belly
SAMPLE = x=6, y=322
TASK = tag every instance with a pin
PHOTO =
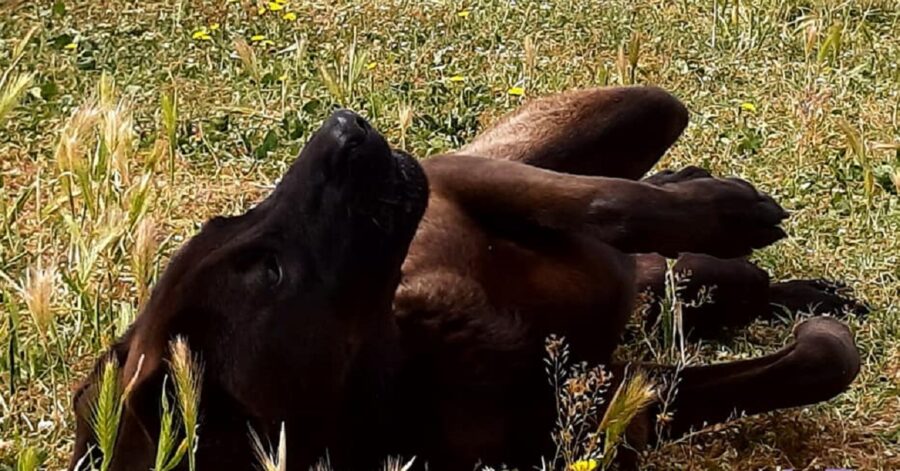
x=566, y=284
x=474, y=307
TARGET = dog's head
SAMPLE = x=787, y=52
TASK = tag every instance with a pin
x=284, y=301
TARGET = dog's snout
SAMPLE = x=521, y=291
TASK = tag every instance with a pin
x=347, y=127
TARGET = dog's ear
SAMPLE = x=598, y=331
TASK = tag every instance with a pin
x=140, y=357
x=83, y=402
x=134, y=438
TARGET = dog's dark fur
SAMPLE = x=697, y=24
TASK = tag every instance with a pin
x=372, y=326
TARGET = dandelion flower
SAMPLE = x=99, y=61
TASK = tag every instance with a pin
x=214, y=27
x=290, y=16
x=584, y=465
x=457, y=78
x=747, y=106
x=516, y=91
x=257, y=38
x=71, y=46
x=371, y=65
x=276, y=6
x=463, y=14
x=201, y=34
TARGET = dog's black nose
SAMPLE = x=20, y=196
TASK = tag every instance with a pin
x=347, y=127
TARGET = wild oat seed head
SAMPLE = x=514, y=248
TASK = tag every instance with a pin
x=118, y=135
x=12, y=92
x=276, y=460
x=76, y=136
x=38, y=291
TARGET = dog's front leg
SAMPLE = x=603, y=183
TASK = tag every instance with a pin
x=724, y=217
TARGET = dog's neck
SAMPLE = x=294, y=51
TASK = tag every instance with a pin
x=358, y=434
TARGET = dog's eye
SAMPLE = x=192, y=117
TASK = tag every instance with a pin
x=273, y=271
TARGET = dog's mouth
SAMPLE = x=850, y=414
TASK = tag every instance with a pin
x=384, y=186
x=348, y=168
x=410, y=194
x=360, y=202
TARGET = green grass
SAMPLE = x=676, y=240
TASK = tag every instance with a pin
x=799, y=97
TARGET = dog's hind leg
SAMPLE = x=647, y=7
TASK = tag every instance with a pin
x=612, y=132
x=720, y=295
x=818, y=365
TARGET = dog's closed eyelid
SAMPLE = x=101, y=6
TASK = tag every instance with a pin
x=255, y=258
x=274, y=271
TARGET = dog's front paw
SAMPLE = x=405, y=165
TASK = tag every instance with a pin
x=815, y=297
x=730, y=217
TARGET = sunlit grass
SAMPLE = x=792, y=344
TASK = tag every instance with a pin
x=121, y=130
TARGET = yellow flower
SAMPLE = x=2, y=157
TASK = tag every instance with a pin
x=267, y=42
x=257, y=38
x=261, y=11
x=584, y=465
x=747, y=106
x=71, y=46
x=457, y=78
x=516, y=91
x=283, y=78
x=276, y=6
x=201, y=35
x=290, y=16
x=214, y=27
x=463, y=14
x=371, y=65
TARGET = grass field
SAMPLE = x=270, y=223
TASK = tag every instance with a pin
x=198, y=106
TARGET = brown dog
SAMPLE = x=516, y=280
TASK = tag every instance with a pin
x=371, y=325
